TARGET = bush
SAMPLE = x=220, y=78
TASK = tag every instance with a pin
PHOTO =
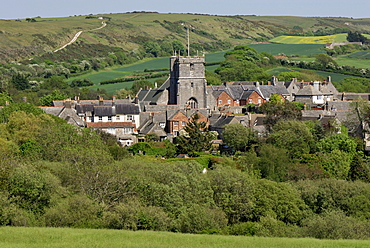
x=335, y=225
x=200, y=219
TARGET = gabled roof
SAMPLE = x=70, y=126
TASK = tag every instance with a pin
x=124, y=109
x=267, y=90
x=67, y=114
x=83, y=108
x=308, y=90
x=177, y=114
x=153, y=128
x=150, y=96
x=221, y=121
x=104, y=111
x=247, y=94
x=236, y=91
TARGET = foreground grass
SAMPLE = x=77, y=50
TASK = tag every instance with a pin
x=64, y=237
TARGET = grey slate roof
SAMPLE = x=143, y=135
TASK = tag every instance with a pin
x=150, y=96
x=124, y=109
x=236, y=91
x=83, y=108
x=267, y=90
x=308, y=91
x=221, y=121
x=246, y=94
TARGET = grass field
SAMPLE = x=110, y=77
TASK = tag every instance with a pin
x=335, y=77
x=22, y=237
x=289, y=49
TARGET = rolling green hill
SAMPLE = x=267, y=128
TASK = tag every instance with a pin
x=20, y=39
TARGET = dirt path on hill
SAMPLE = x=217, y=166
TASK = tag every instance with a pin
x=78, y=35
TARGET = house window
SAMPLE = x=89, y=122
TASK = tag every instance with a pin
x=259, y=100
x=129, y=117
x=109, y=118
x=100, y=118
x=176, y=133
x=237, y=102
x=219, y=102
x=117, y=118
x=162, y=124
x=183, y=123
x=175, y=123
x=229, y=101
x=128, y=130
x=250, y=100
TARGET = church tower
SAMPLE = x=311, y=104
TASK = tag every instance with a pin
x=188, y=82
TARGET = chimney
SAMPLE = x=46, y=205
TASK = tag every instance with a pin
x=328, y=79
x=113, y=100
x=101, y=101
x=273, y=80
x=68, y=103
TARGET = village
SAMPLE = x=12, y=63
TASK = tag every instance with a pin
x=166, y=110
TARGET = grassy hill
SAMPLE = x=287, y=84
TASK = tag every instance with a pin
x=20, y=39
x=66, y=237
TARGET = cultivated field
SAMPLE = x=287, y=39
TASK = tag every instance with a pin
x=284, y=39
x=22, y=237
x=309, y=39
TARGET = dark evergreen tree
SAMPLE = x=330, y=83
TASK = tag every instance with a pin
x=196, y=139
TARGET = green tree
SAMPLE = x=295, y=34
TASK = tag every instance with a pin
x=294, y=136
x=20, y=81
x=196, y=139
x=325, y=60
x=356, y=37
x=273, y=162
x=276, y=111
x=152, y=48
x=178, y=47
x=47, y=100
x=5, y=99
x=25, y=107
x=239, y=137
x=141, y=84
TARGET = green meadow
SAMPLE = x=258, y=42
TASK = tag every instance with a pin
x=23, y=237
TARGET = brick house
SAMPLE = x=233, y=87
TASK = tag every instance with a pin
x=178, y=121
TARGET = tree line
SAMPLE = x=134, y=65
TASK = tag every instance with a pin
x=302, y=180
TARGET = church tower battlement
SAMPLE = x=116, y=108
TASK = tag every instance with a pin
x=188, y=82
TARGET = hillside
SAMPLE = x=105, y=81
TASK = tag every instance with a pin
x=20, y=39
